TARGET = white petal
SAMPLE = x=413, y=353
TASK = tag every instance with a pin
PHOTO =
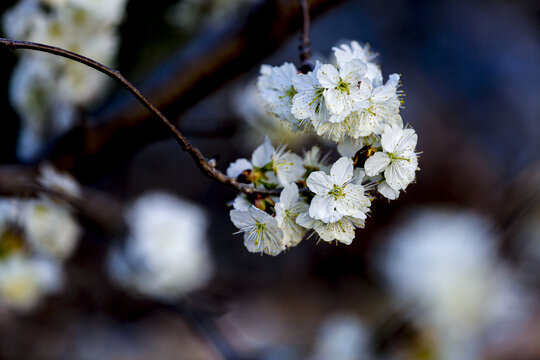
x=408, y=141
x=241, y=219
x=241, y=203
x=328, y=76
x=236, y=168
x=390, y=138
x=342, y=231
x=319, y=183
x=261, y=216
x=394, y=177
x=387, y=191
x=321, y=207
x=353, y=202
x=342, y=171
x=376, y=163
x=353, y=71
x=263, y=154
x=289, y=196
x=305, y=220
x=336, y=100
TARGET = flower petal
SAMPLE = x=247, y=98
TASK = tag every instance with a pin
x=236, y=168
x=353, y=202
x=241, y=219
x=342, y=171
x=391, y=136
x=288, y=196
x=376, y=163
x=322, y=208
x=387, y=191
x=328, y=76
x=263, y=154
x=319, y=183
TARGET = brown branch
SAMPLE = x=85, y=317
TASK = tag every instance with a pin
x=119, y=128
x=203, y=164
x=305, y=43
x=100, y=209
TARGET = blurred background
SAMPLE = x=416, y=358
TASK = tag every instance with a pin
x=450, y=270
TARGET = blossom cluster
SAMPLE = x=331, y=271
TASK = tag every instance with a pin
x=36, y=237
x=45, y=90
x=346, y=102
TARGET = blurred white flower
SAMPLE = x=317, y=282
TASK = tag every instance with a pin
x=47, y=90
x=61, y=182
x=343, y=337
x=445, y=263
x=248, y=104
x=50, y=228
x=261, y=232
x=191, y=15
x=165, y=254
x=24, y=281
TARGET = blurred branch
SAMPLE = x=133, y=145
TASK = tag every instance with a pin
x=204, y=323
x=305, y=44
x=116, y=132
x=99, y=208
x=204, y=165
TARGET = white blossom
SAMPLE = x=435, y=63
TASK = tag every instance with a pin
x=261, y=232
x=343, y=337
x=336, y=195
x=308, y=102
x=444, y=264
x=24, y=281
x=165, y=254
x=342, y=230
x=240, y=202
x=355, y=51
x=344, y=88
x=398, y=160
x=287, y=166
x=290, y=205
x=50, y=228
x=313, y=160
x=277, y=90
x=45, y=90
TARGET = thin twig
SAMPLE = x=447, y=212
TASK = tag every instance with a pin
x=305, y=43
x=203, y=164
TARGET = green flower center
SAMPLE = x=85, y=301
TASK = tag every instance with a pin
x=336, y=192
x=394, y=157
x=289, y=93
x=343, y=86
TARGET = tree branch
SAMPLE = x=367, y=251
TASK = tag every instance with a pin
x=100, y=209
x=119, y=128
x=203, y=164
x=305, y=43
